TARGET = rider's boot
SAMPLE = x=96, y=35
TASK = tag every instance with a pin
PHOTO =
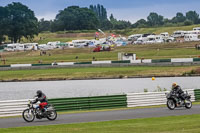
x=178, y=103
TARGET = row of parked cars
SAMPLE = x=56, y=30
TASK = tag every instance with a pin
x=179, y=36
x=103, y=44
x=30, y=46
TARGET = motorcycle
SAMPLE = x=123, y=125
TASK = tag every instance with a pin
x=173, y=101
x=33, y=111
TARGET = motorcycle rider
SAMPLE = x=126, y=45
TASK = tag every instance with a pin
x=43, y=100
x=177, y=90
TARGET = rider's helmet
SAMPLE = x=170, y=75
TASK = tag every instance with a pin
x=39, y=93
x=174, y=85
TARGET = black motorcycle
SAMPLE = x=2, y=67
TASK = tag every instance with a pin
x=33, y=111
x=173, y=101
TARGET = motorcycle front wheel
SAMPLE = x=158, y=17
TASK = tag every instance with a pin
x=52, y=115
x=28, y=115
x=170, y=104
x=188, y=104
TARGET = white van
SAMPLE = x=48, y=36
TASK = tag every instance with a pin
x=30, y=46
x=179, y=33
x=80, y=43
x=196, y=28
x=53, y=45
x=14, y=47
x=134, y=37
x=191, y=37
x=194, y=32
x=155, y=39
x=166, y=37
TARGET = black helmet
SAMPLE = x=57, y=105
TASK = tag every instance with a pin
x=39, y=93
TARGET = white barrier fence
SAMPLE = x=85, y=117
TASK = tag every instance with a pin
x=12, y=107
x=63, y=63
x=182, y=60
x=150, y=98
x=21, y=65
x=101, y=62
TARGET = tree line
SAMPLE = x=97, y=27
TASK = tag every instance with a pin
x=74, y=18
x=190, y=18
x=17, y=21
x=77, y=18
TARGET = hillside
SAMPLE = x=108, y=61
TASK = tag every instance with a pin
x=156, y=30
x=66, y=36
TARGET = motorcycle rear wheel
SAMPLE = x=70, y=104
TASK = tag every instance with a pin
x=170, y=104
x=28, y=115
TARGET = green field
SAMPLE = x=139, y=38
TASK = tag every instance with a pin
x=171, y=124
x=91, y=73
x=153, y=51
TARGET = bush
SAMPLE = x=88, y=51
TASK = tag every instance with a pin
x=159, y=89
x=188, y=22
x=145, y=90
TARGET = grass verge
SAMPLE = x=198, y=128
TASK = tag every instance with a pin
x=92, y=73
x=171, y=124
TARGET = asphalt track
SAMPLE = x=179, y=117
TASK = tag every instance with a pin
x=101, y=116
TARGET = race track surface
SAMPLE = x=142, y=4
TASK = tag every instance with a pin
x=101, y=116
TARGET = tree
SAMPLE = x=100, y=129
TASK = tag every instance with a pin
x=112, y=18
x=122, y=24
x=100, y=11
x=119, y=24
x=105, y=25
x=179, y=18
x=21, y=22
x=3, y=24
x=76, y=18
x=188, y=22
x=101, y=14
x=140, y=23
x=44, y=25
x=154, y=19
x=193, y=16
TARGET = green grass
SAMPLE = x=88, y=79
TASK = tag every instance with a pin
x=155, y=30
x=171, y=124
x=43, y=38
x=154, y=51
x=87, y=73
